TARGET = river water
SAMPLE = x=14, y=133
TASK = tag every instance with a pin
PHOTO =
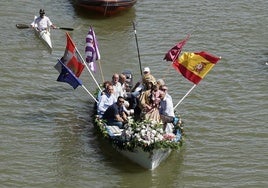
x=47, y=137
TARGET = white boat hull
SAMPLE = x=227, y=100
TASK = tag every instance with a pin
x=149, y=160
x=45, y=37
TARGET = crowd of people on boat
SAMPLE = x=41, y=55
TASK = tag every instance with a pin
x=148, y=99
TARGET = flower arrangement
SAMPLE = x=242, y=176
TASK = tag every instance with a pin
x=145, y=134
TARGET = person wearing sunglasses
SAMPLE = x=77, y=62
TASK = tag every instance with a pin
x=166, y=110
x=115, y=115
x=42, y=22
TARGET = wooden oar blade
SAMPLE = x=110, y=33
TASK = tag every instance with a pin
x=22, y=26
x=66, y=28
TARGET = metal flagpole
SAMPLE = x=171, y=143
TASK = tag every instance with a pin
x=101, y=70
x=137, y=46
x=89, y=93
x=185, y=96
x=88, y=69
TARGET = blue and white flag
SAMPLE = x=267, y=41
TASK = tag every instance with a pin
x=66, y=75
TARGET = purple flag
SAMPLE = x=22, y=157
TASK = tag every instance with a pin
x=92, y=50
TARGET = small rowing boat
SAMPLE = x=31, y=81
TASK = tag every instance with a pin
x=106, y=7
x=44, y=35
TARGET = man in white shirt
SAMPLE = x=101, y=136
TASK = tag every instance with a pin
x=42, y=22
x=166, y=104
x=118, y=91
x=166, y=110
x=106, y=100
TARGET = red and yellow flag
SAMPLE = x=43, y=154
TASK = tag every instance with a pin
x=195, y=66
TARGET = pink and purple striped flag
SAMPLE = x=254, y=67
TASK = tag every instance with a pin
x=92, y=50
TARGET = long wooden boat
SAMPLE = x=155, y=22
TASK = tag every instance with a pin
x=106, y=7
x=143, y=142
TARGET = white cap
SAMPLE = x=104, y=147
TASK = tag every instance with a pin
x=146, y=69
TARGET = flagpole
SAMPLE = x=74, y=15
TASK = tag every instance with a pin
x=185, y=96
x=101, y=71
x=88, y=68
x=89, y=93
x=137, y=46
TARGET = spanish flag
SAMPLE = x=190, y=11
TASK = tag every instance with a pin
x=195, y=66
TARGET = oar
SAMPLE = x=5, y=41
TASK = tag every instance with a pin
x=24, y=26
x=65, y=28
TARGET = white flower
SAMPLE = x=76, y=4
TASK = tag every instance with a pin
x=157, y=139
x=160, y=137
x=154, y=132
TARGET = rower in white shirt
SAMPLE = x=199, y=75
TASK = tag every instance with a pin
x=42, y=22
